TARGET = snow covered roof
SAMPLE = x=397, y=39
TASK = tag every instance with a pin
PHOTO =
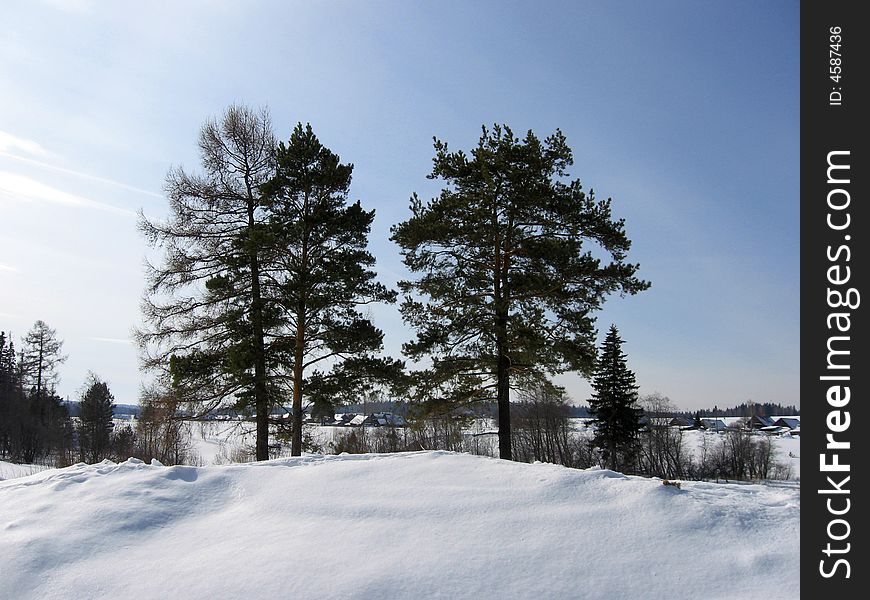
x=714, y=423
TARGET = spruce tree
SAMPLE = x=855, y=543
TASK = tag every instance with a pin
x=510, y=271
x=613, y=405
x=95, y=429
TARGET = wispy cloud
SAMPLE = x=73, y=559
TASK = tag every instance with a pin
x=111, y=340
x=20, y=187
x=8, y=268
x=10, y=144
x=71, y=6
x=89, y=177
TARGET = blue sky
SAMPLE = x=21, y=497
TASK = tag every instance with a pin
x=685, y=113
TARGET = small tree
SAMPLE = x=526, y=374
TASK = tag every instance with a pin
x=614, y=406
x=124, y=443
x=95, y=428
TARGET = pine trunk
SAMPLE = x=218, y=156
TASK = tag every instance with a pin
x=261, y=399
x=503, y=390
x=296, y=439
x=299, y=351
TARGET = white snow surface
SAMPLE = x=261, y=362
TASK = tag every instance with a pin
x=409, y=525
x=215, y=442
x=11, y=470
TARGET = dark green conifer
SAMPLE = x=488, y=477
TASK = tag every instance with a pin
x=617, y=417
x=95, y=420
x=512, y=261
x=323, y=277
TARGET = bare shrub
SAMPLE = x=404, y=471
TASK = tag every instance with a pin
x=284, y=436
x=363, y=440
x=435, y=430
x=235, y=454
x=662, y=451
x=739, y=455
x=161, y=432
x=541, y=431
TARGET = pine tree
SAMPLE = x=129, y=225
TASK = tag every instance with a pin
x=323, y=275
x=95, y=429
x=210, y=322
x=614, y=405
x=41, y=355
x=508, y=285
x=10, y=392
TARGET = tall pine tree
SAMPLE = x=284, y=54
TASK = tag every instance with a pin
x=614, y=406
x=509, y=270
x=322, y=276
x=209, y=321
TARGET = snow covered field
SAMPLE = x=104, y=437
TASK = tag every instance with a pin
x=787, y=449
x=12, y=470
x=411, y=525
x=215, y=442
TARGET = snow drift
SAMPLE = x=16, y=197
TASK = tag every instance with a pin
x=413, y=525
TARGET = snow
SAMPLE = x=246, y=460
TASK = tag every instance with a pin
x=215, y=441
x=12, y=470
x=408, y=525
x=786, y=448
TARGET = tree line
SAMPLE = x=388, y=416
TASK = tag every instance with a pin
x=259, y=300
x=745, y=409
x=261, y=292
x=36, y=426
x=35, y=423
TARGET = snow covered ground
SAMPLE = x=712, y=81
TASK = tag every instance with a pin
x=411, y=525
x=217, y=442
x=786, y=449
x=11, y=470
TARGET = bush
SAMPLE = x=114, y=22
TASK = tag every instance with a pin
x=541, y=431
x=739, y=455
x=162, y=433
x=363, y=440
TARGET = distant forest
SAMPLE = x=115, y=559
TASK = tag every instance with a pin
x=747, y=409
x=582, y=411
